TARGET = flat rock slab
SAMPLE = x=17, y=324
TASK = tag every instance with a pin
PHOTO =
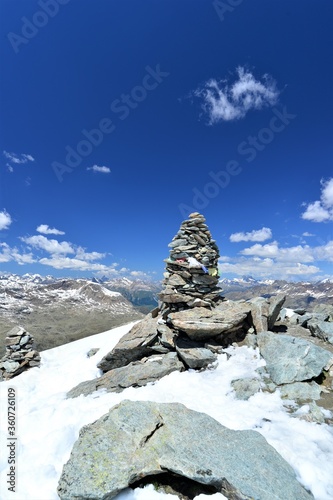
x=290, y=359
x=322, y=329
x=202, y=324
x=136, y=439
x=132, y=346
x=136, y=374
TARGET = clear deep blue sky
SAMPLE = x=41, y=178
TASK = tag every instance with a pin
x=218, y=108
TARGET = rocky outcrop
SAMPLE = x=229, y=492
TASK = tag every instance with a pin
x=139, y=440
x=290, y=359
x=20, y=353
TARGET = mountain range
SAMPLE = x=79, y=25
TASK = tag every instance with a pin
x=59, y=310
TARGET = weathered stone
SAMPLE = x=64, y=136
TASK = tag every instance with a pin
x=135, y=374
x=166, y=336
x=12, y=340
x=194, y=354
x=259, y=313
x=290, y=359
x=301, y=390
x=201, y=323
x=275, y=304
x=246, y=387
x=132, y=346
x=10, y=366
x=140, y=439
x=92, y=352
x=16, y=331
x=322, y=330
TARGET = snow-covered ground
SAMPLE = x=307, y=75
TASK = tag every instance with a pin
x=48, y=424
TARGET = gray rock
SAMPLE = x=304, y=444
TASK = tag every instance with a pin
x=246, y=387
x=322, y=330
x=132, y=346
x=136, y=374
x=136, y=439
x=15, y=331
x=201, y=323
x=290, y=359
x=301, y=391
x=314, y=414
x=92, y=352
x=259, y=312
x=196, y=357
x=275, y=304
x=10, y=366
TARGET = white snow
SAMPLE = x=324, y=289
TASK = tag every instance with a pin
x=48, y=424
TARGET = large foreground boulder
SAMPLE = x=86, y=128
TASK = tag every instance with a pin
x=138, y=439
x=291, y=359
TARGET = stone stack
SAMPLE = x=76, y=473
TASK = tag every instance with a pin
x=191, y=277
x=20, y=353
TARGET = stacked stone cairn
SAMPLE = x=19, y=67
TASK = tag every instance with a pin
x=191, y=277
x=20, y=353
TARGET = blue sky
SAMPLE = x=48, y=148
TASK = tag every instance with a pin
x=120, y=117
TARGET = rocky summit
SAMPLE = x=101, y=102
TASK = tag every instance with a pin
x=191, y=277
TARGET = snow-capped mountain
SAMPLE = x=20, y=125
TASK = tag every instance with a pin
x=299, y=294
x=56, y=311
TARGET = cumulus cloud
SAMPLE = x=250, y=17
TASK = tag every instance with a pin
x=275, y=262
x=256, y=235
x=5, y=220
x=50, y=246
x=18, y=159
x=223, y=102
x=100, y=169
x=321, y=210
x=269, y=268
x=45, y=229
x=87, y=256
x=61, y=262
x=8, y=254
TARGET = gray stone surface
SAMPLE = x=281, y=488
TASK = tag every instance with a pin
x=301, y=391
x=196, y=357
x=246, y=387
x=275, y=304
x=135, y=374
x=322, y=330
x=290, y=359
x=132, y=346
x=259, y=312
x=137, y=439
x=201, y=323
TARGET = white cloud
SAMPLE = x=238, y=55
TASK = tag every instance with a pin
x=298, y=253
x=5, y=220
x=45, y=229
x=307, y=234
x=268, y=268
x=272, y=261
x=10, y=168
x=102, y=169
x=256, y=235
x=9, y=254
x=222, y=102
x=321, y=210
x=18, y=159
x=60, y=262
x=83, y=255
x=51, y=246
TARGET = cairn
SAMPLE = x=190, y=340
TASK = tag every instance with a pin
x=191, y=277
x=20, y=353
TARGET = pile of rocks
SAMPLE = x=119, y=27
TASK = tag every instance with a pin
x=20, y=353
x=191, y=275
